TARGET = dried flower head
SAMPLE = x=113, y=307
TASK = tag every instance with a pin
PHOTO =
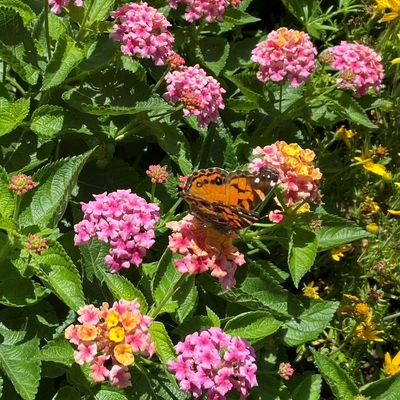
x=285, y=54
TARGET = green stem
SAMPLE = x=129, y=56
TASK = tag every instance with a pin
x=280, y=98
x=82, y=30
x=391, y=316
x=345, y=341
x=153, y=192
x=160, y=81
x=4, y=72
x=16, y=209
x=46, y=28
x=171, y=292
x=146, y=376
x=16, y=85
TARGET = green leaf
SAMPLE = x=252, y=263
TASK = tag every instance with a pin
x=253, y=326
x=28, y=293
x=215, y=53
x=56, y=183
x=17, y=48
x=7, y=199
x=47, y=121
x=12, y=114
x=121, y=288
x=164, y=347
x=213, y=317
x=65, y=58
x=249, y=85
x=21, y=364
x=309, y=388
x=383, y=389
x=68, y=393
x=186, y=298
x=234, y=17
x=105, y=394
x=58, y=351
x=98, y=10
x=114, y=92
x=341, y=385
x=310, y=323
x=349, y=108
x=25, y=12
x=303, y=247
x=61, y=275
x=337, y=231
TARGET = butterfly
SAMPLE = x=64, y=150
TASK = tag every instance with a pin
x=226, y=201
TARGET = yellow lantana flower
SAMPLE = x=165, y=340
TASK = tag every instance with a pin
x=123, y=354
x=113, y=319
x=117, y=334
x=339, y=253
x=392, y=366
x=377, y=169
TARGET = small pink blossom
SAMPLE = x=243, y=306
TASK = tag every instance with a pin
x=85, y=354
x=204, y=250
x=276, y=216
x=120, y=376
x=37, y=244
x=22, y=184
x=360, y=67
x=143, y=32
x=200, y=94
x=158, y=174
x=58, y=5
x=211, y=10
x=286, y=371
x=285, y=54
x=125, y=221
x=214, y=363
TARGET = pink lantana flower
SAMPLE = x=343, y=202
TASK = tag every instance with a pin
x=360, y=67
x=298, y=175
x=58, y=5
x=107, y=340
x=213, y=363
x=200, y=94
x=204, y=250
x=210, y=10
x=143, y=32
x=125, y=221
x=285, y=54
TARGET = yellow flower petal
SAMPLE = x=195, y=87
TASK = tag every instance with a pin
x=395, y=213
x=396, y=61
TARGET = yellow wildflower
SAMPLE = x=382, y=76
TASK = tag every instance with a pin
x=362, y=311
x=373, y=228
x=123, y=354
x=392, y=367
x=370, y=206
x=390, y=8
x=377, y=169
x=366, y=331
x=338, y=253
x=117, y=334
x=381, y=151
x=305, y=208
x=346, y=135
x=397, y=185
x=311, y=291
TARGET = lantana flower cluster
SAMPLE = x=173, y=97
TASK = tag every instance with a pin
x=360, y=68
x=124, y=220
x=22, y=184
x=210, y=10
x=200, y=94
x=143, y=32
x=58, y=5
x=214, y=363
x=298, y=175
x=107, y=339
x=204, y=249
x=285, y=54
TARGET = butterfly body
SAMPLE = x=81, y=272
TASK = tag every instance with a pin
x=227, y=200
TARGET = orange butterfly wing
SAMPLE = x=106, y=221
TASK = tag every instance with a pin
x=225, y=200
